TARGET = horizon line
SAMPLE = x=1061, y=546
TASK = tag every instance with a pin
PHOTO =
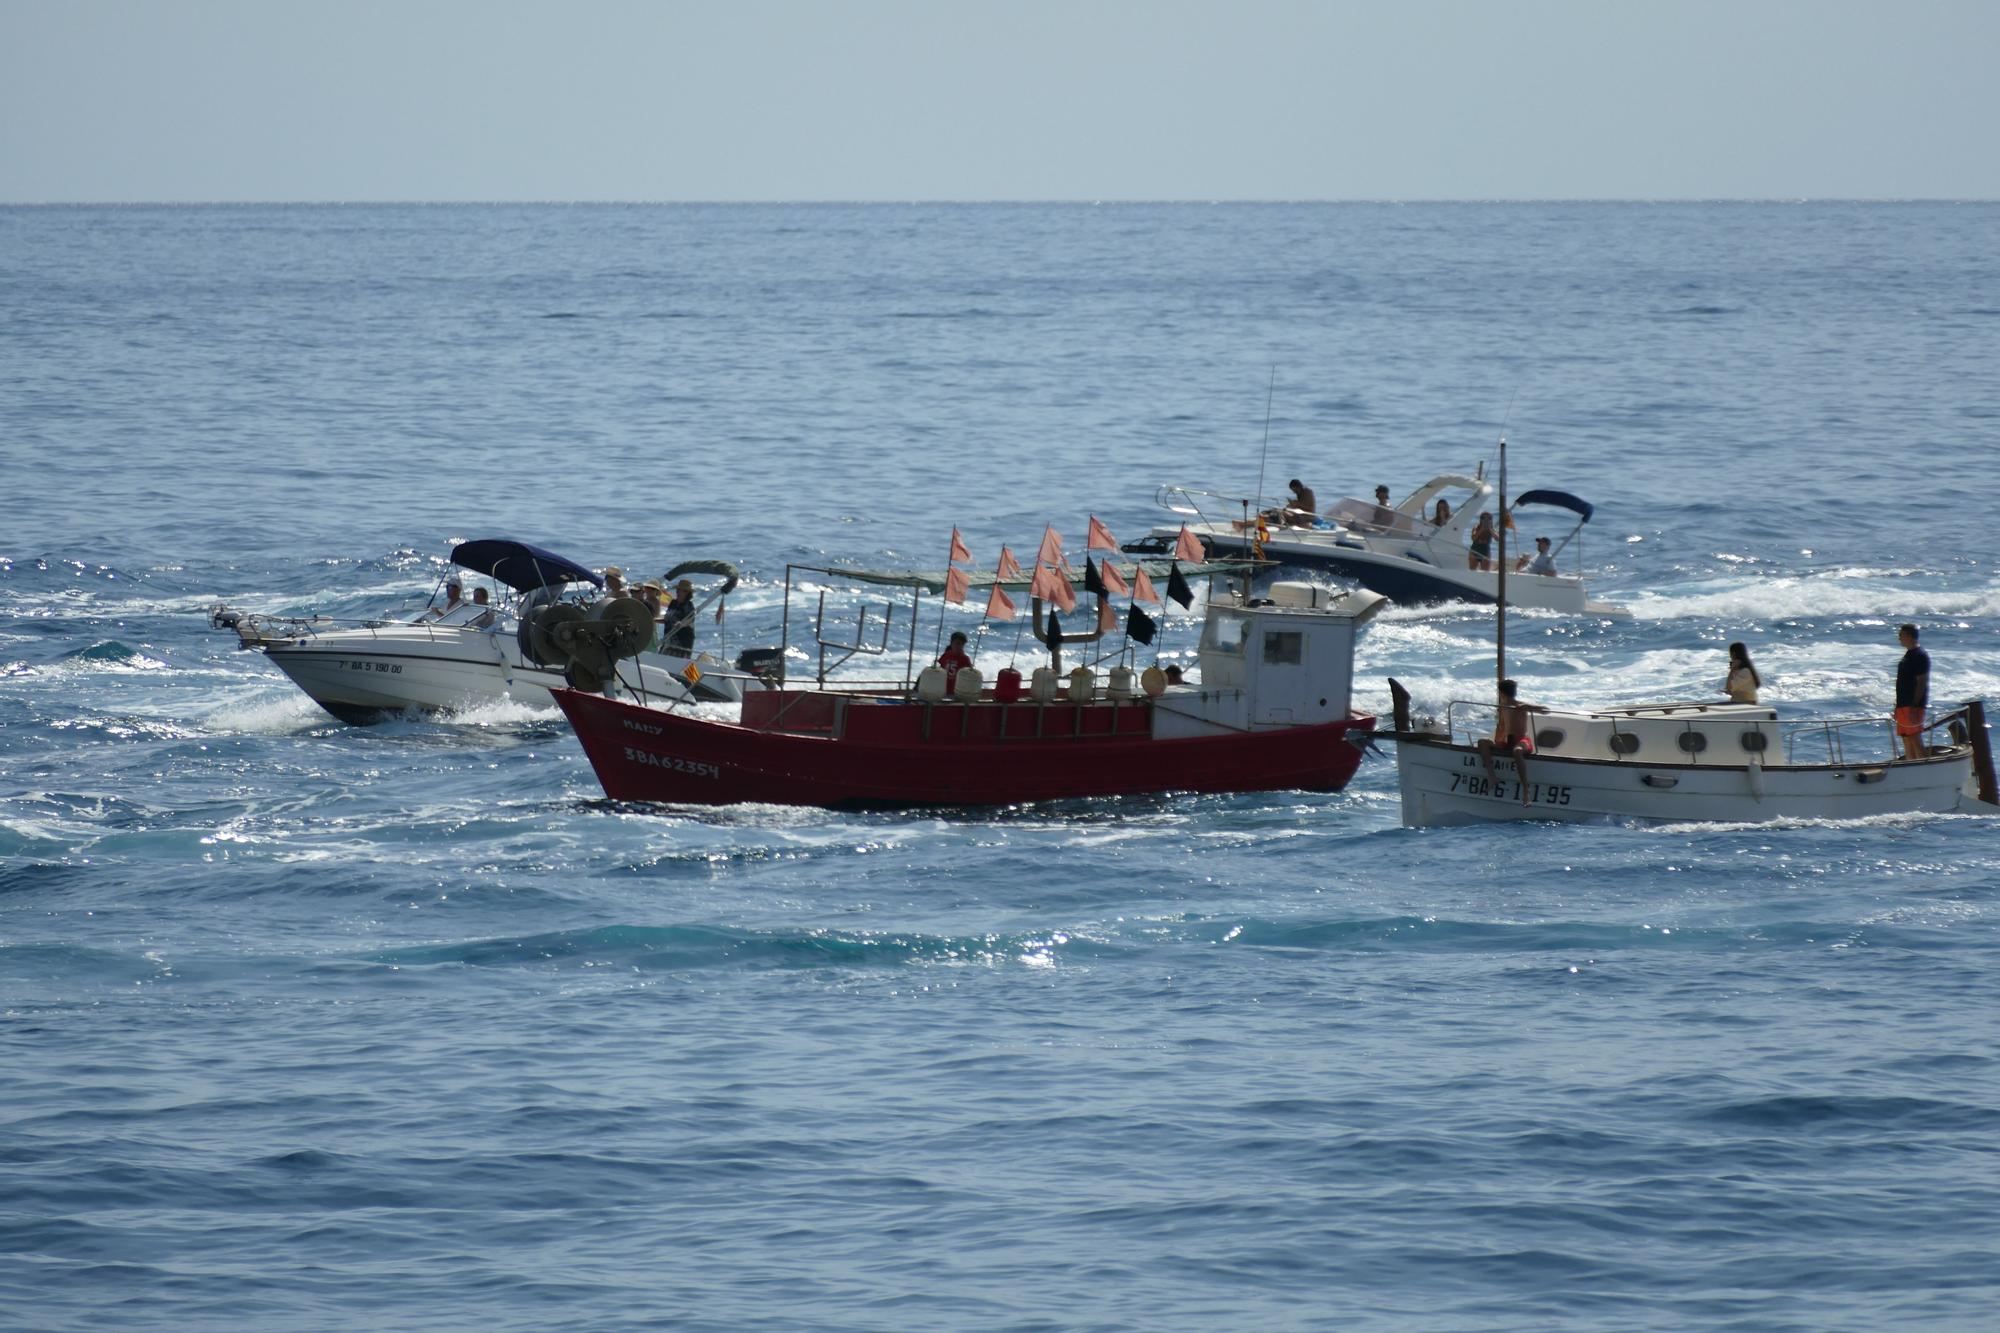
x=1079, y=202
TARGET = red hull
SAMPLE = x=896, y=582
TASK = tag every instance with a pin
x=906, y=754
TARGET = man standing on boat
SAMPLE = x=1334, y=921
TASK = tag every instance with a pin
x=1913, y=692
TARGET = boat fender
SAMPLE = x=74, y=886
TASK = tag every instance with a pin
x=1082, y=685
x=966, y=686
x=930, y=684
x=1007, y=685
x=1042, y=684
x=1153, y=681
x=1756, y=769
x=1119, y=685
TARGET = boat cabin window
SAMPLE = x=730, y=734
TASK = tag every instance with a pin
x=1287, y=646
x=1624, y=742
x=1549, y=738
x=1225, y=633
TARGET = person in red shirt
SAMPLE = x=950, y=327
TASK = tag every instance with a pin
x=952, y=659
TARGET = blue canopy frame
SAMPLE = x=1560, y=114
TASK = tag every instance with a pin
x=1560, y=499
x=520, y=566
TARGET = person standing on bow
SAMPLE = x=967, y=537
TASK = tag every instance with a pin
x=1913, y=692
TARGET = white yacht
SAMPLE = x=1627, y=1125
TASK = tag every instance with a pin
x=1398, y=551
x=477, y=653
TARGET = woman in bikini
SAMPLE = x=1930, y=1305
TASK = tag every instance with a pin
x=1481, y=554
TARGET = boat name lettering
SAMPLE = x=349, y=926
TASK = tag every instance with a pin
x=1539, y=793
x=694, y=766
x=646, y=727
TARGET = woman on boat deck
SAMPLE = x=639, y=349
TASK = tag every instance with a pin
x=1442, y=514
x=1481, y=554
x=953, y=658
x=1513, y=736
x=1742, y=681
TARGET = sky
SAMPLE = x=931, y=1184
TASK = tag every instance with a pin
x=755, y=100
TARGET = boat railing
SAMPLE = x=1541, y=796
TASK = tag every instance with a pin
x=1804, y=741
x=1189, y=503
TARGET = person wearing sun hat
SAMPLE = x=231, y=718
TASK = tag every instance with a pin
x=614, y=581
x=453, y=599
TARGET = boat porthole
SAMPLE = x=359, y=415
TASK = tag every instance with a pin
x=1756, y=742
x=1693, y=742
x=1549, y=738
x=1624, y=742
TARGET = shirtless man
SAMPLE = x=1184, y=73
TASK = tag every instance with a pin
x=1513, y=736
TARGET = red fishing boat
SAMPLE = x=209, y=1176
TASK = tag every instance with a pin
x=1267, y=709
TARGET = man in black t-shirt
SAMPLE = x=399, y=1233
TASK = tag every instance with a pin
x=1913, y=692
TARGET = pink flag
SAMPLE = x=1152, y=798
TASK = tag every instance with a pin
x=1142, y=587
x=959, y=551
x=1100, y=537
x=1051, y=553
x=956, y=584
x=1113, y=580
x=1010, y=568
x=1188, y=546
x=1052, y=587
x=999, y=606
x=1107, y=619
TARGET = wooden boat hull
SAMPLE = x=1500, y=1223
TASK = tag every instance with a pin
x=1445, y=784
x=887, y=753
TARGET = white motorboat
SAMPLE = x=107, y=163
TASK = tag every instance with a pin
x=1694, y=762
x=1674, y=762
x=476, y=653
x=1396, y=551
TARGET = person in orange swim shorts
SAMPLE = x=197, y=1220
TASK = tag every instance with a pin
x=1913, y=692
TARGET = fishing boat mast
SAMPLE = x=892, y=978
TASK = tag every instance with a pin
x=1500, y=616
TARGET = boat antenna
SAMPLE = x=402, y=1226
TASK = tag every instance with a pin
x=1265, y=455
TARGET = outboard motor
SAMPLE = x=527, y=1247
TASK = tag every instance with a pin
x=766, y=664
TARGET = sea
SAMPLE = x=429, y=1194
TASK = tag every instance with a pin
x=312, y=1026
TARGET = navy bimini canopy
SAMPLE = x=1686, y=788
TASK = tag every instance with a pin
x=519, y=565
x=1560, y=499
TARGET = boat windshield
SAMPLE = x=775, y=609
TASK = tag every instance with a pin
x=1365, y=516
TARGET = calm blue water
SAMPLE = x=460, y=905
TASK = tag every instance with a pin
x=404, y=1027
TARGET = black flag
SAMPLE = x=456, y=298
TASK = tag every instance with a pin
x=1055, y=630
x=1177, y=587
x=1092, y=580
x=1139, y=626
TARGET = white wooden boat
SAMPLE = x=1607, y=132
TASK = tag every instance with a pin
x=1695, y=762
x=1672, y=762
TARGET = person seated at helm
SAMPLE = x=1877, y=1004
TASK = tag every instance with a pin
x=1542, y=563
x=1385, y=517
x=1442, y=514
x=485, y=615
x=952, y=659
x=452, y=601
